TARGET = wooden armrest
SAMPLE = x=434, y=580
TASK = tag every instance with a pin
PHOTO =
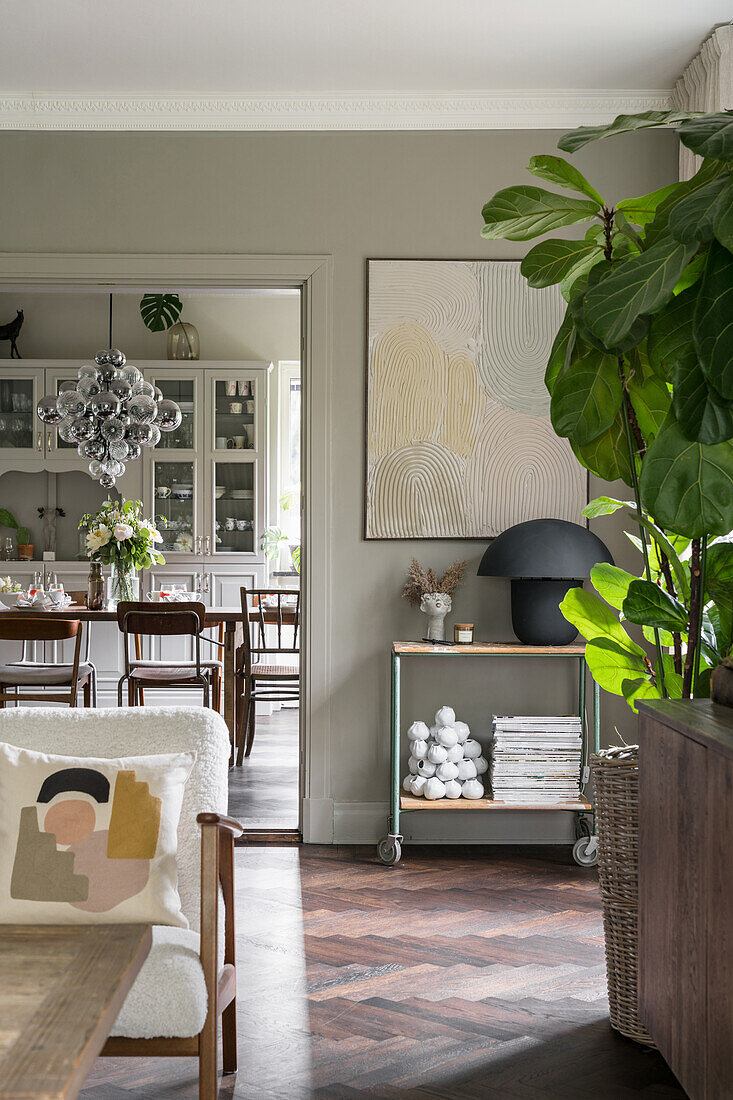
x=229, y=824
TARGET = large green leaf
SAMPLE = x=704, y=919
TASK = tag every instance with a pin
x=688, y=486
x=672, y=546
x=723, y=217
x=658, y=228
x=622, y=124
x=721, y=620
x=638, y=285
x=691, y=219
x=709, y=135
x=606, y=456
x=719, y=587
x=520, y=213
x=559, y=171
x=651, y=401
x=640, y=688
x=599, y=271
x=586, y=397
x=626, y=239
x=649, y=605
x=605, y=506
x=554, y=260
x=712, y=330
x=642, y=209
x=561, y=349
x=700, y=412
x=160, y=311
x=611, y=664
x=611, y=582
x=568, y=284
x=692, y=273
x=670, y=333
x=594, y=619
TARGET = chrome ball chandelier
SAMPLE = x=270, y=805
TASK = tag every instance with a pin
x=111, y=413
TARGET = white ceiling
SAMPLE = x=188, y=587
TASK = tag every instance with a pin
x=409, y=52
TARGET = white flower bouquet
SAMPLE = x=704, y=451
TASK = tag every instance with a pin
x=119, y=535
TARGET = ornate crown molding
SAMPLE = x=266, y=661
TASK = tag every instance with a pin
x=522, y=110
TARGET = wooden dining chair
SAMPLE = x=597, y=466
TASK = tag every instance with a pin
x=136, y=620
x=39, y=681
x=259, y=678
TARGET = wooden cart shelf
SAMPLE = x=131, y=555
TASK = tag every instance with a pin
x=480, y=649
x=410, y=802
x=390, y=847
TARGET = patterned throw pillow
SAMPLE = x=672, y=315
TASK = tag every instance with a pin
x=90, y=841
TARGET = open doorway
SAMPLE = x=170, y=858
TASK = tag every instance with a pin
x=264, y=786
x=225, y=485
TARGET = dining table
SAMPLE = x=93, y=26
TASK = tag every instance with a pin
x=230, y=617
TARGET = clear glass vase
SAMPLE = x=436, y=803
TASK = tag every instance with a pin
x=183, y=341
x=123, y=584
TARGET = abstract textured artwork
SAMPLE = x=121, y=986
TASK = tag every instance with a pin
x=459, y=441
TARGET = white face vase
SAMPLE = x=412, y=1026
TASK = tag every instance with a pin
x=436, y=606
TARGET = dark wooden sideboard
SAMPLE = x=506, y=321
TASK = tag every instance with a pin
x=686, y=890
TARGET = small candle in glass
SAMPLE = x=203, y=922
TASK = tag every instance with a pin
x=463, y=633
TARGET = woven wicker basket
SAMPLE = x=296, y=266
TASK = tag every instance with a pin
x=616, y=778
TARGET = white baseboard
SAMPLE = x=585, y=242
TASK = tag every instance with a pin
x=366, y=823
x=318, y=821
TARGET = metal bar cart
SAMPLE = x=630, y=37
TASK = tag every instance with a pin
x=585, y=850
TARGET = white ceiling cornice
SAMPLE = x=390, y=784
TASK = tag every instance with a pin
x=399, y=111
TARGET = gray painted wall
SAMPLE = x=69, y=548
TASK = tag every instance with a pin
x=353, y=195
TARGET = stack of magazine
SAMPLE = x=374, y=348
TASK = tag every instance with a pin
x=536, y=759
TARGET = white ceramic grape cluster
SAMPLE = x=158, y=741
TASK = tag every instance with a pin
x=445, y=762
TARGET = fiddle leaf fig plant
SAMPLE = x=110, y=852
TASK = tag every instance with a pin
x=640, y=378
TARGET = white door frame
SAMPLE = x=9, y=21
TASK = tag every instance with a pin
x=313, y=276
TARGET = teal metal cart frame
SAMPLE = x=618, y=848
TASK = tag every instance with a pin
x=585, y=848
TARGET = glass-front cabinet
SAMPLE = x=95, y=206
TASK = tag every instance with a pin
x=235, y=486
x=175, y=494
x=20, y=430
x=26, y=443
x=208, y=479
x=184, y=389
x=234, y=412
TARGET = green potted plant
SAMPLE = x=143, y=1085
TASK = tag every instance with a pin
x=274, y=540
x=22, y=534
x=163, y=311
x=640, y=378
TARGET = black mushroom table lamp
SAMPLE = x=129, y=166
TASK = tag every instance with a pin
x=543, y=558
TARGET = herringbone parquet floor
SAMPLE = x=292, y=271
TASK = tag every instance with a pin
x=472, y=973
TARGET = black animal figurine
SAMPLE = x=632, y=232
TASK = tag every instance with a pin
x=10, y=332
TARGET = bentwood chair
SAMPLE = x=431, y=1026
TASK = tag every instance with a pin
x=269, y=616
x=137, y=619
x=34, y=681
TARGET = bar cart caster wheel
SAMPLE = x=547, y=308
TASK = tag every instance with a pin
x=585, y=851
x=389, y=850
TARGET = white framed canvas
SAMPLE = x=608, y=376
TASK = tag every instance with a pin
x=458, y=437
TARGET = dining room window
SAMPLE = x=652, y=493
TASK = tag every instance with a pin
x=289, y=457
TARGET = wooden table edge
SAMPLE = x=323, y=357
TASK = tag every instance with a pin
x=94, y=1044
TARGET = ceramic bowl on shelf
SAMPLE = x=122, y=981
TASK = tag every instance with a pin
x=182, y=493
x=241, y=494
x=219, y=491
